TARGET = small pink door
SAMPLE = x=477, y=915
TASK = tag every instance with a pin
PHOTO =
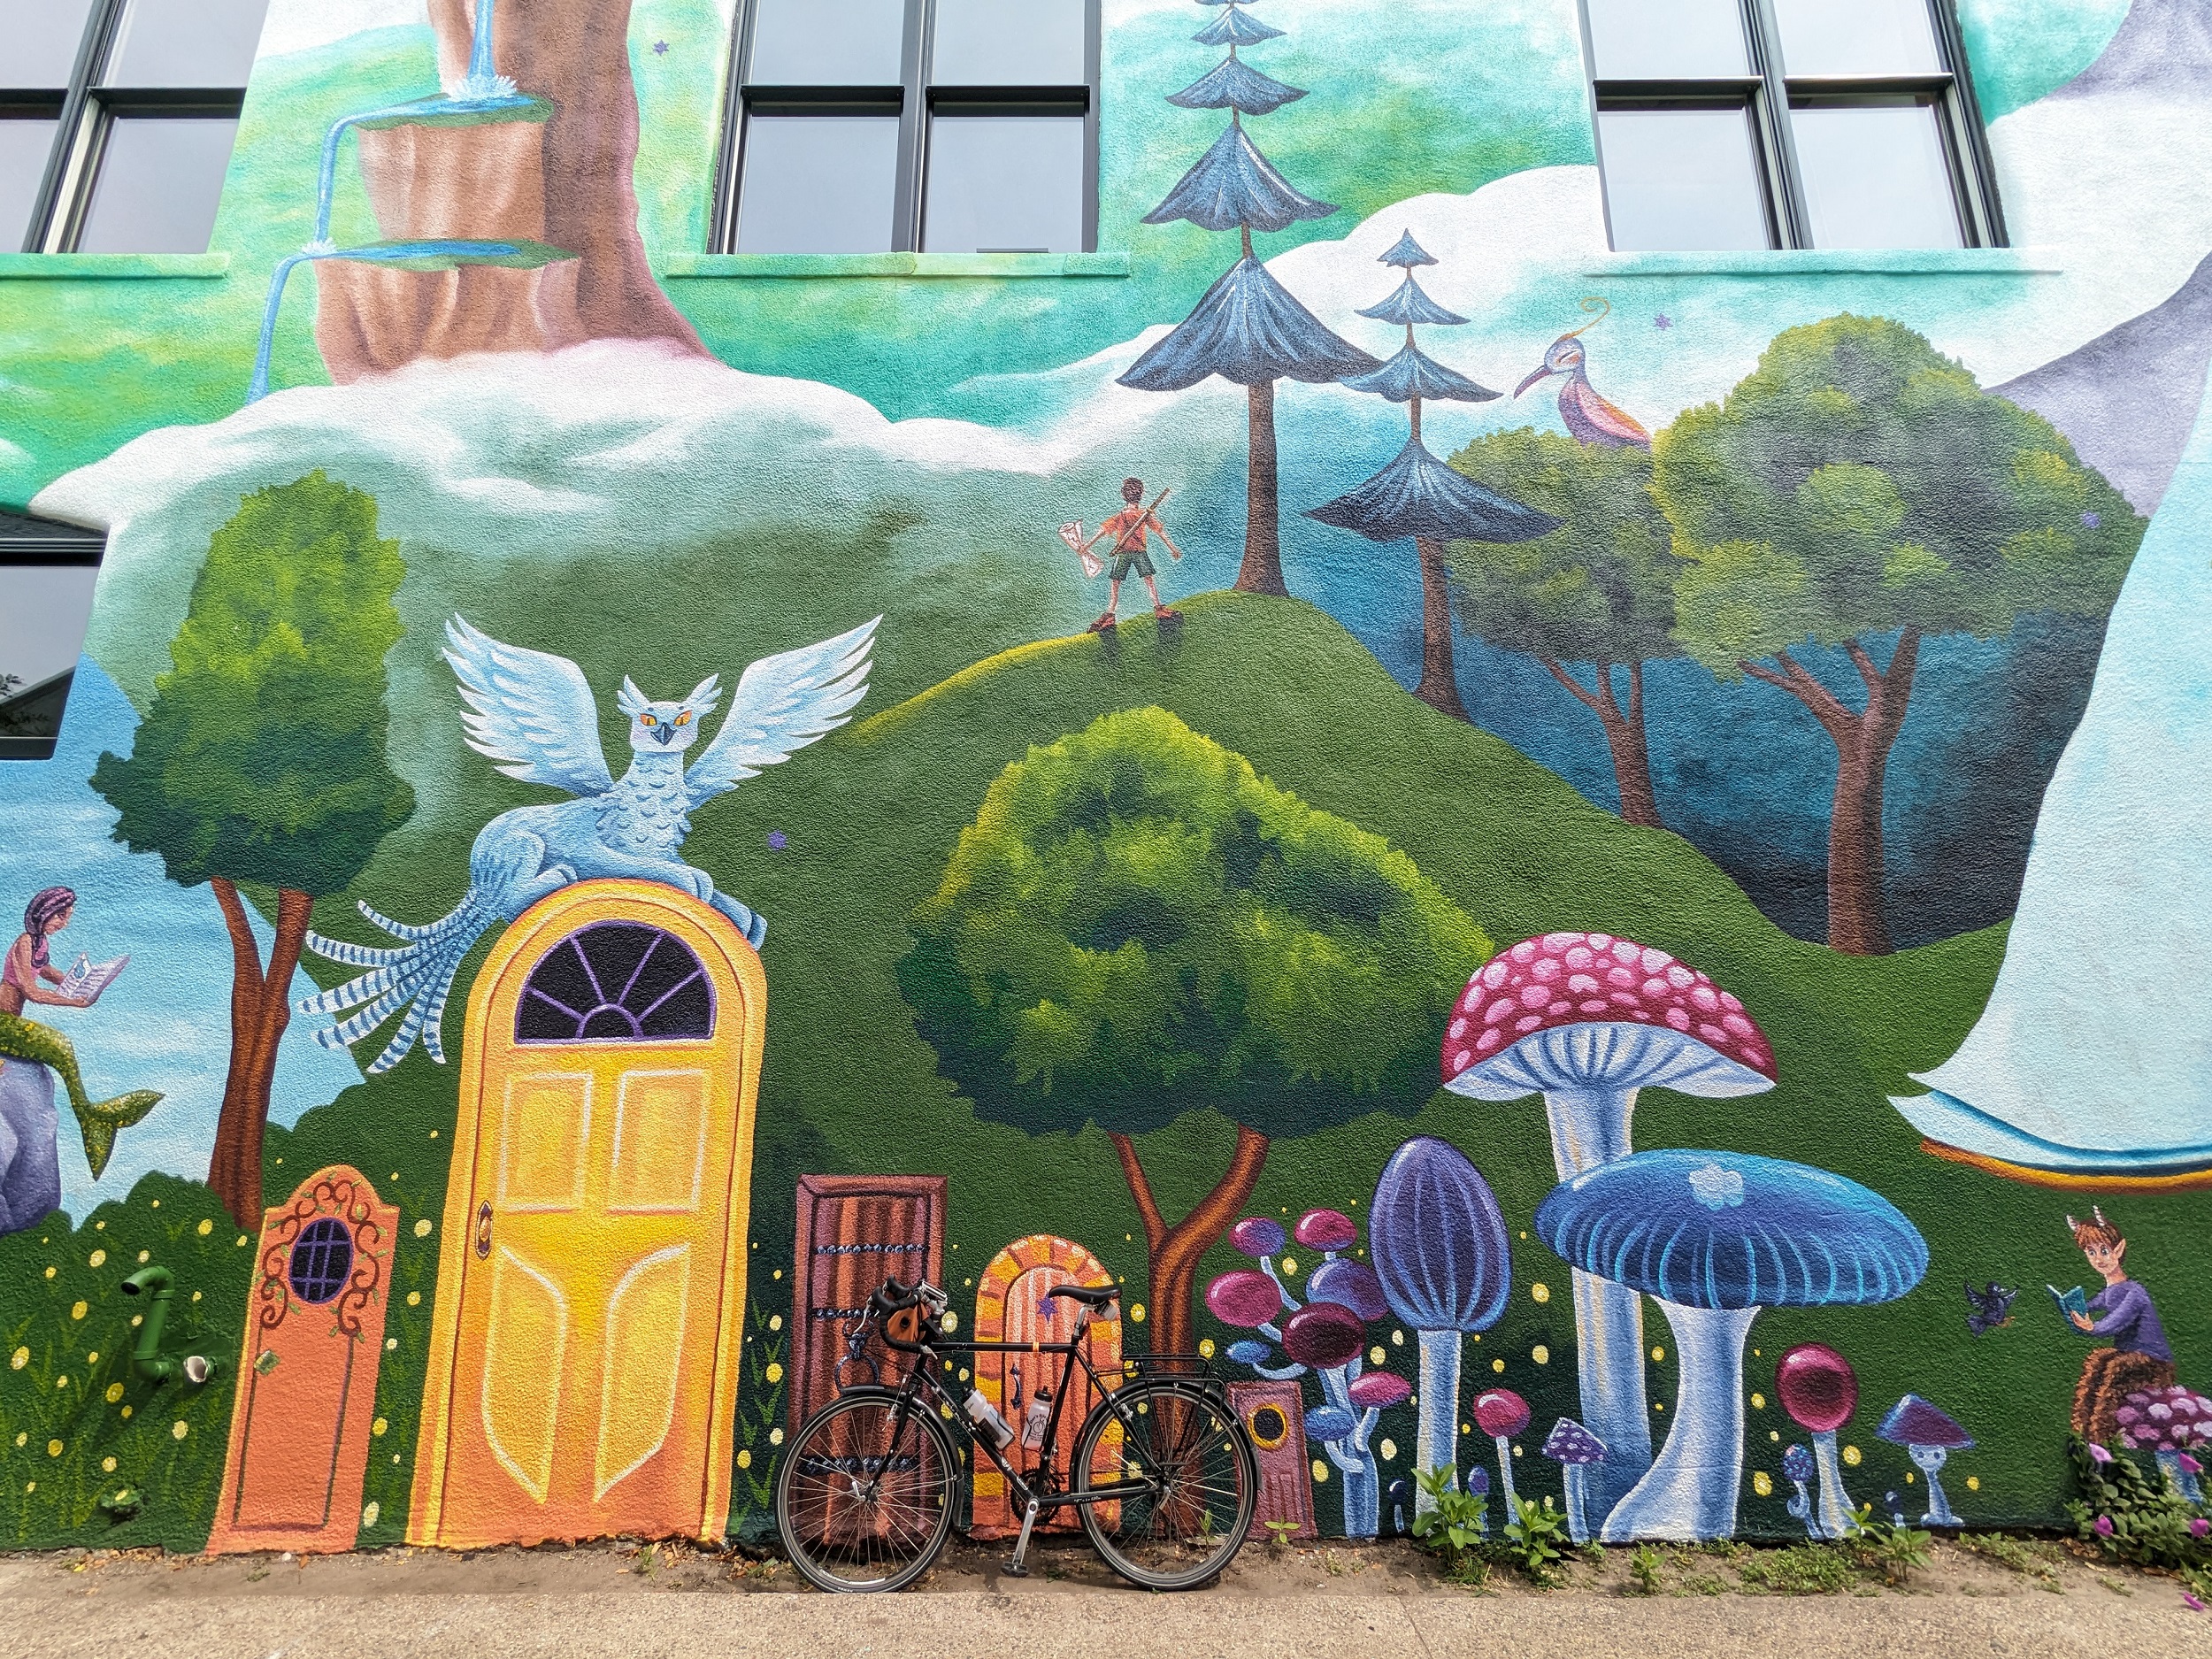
x=1276, y=1415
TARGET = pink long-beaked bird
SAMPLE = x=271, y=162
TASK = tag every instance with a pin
x=1589, y=418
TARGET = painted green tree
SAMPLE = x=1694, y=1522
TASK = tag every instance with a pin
x=263, y=759
x=1598, y=590
x=1138, y=925
x=1860, y=487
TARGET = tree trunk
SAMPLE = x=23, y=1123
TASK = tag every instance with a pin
x=1856, y=920
x=1262, y=572
x=1623, y=735
x=1439, y=675
x=260, y=1008
x=1172, y=1254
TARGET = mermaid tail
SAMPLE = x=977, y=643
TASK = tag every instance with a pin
x=98, y=1120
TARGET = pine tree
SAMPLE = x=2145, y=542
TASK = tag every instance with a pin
x=1248, y=329
x=1417, y=494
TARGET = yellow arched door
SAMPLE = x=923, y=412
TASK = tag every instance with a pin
x=583, y=1376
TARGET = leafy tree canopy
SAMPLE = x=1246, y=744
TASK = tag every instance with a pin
x=1138, y=924
x=1598, y=589
x=264, y=756
x=1858, y=482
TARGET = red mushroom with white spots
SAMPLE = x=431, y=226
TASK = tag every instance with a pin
x=1588, y=1020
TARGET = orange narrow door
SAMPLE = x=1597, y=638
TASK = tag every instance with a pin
x=591, y=1281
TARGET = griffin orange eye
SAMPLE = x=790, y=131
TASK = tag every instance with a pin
x=684, y=719
x=648, y=720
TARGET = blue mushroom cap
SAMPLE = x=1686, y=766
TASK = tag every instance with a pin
x=1437, y=1239
x=1250, y=1353
x=1797, y=1464
x=1330, y=1423
x=1726, y=1230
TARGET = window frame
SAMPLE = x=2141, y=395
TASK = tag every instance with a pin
x=87, y=113
x=27, y=543
x=914, y=101
x=1767, y=94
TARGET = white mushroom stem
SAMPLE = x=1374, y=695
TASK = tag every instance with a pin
x=1436, y=1445
x=1931, y=1460
x=1837, y=1519
x=1589, y=1127
x=1576, y=1479
x=1689, y=1493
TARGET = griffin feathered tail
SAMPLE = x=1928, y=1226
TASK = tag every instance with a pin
x=416, y=974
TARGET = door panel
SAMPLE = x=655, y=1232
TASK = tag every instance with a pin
x=660, y=1141
x=542, y=1135
x=525, y=1344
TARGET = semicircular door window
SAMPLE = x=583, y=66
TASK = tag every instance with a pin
x=616, y=982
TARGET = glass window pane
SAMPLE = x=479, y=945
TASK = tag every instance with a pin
x=818, y=184
x=185, y=44
x=159, y=183
x=1667, y=40
x=42, y=625
x=828, y=43
x=1682, y=179
x=1004, y=184
x=1857, y=37
x=24, y=147
x=1009, y=43
x=39, y=41
x=1875, y=177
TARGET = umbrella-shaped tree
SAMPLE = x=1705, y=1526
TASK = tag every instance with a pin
x=1138, y=926
x=1438, y=1244
x=1325, y=1334
x=1247, y=328
x=1418, y=498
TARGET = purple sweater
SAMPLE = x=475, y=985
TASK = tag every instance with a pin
x=2130, y=1321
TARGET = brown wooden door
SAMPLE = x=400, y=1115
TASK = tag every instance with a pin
x=854, y=1232
x=1276, y=1415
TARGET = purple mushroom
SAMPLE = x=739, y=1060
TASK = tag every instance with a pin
x=2173, y=1424
x=1714, y=1237
x=1928, y=1435
x=1797, y=1469
x=1439, y=1249
x=1576, y=1450
x=1501, y=1414
x=1588, y=1020
x=1820, y=1390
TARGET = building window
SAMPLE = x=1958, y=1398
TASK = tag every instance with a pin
x=46, y=576
x=892, y=126
x=117, y=119
x=1787, y=124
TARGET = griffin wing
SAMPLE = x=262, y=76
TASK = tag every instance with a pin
x=529, y=711
x=783, y=703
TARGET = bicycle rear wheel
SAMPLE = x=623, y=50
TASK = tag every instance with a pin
x=865, y=1498
x=1188, y=1441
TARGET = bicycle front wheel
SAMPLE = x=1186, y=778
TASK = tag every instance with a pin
x=1203, y=1474
x=865, y=1498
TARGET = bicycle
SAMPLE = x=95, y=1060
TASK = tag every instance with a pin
x=1164, y=1472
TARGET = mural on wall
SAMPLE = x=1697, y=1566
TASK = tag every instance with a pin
x=1669, y=742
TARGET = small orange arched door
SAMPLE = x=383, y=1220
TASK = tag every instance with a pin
x=583, y=1376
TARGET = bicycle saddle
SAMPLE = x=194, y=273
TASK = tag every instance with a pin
x=1089, y=1295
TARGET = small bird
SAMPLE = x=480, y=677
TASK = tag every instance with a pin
x=1989, y=1307
x=1589, y=419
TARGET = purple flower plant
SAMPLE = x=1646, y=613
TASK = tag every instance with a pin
x=2101, y=1526
x=2098, y=1453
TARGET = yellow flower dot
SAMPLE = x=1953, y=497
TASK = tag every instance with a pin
x=62, y=1381
x=125, y=1412
x=115, y=1391
x=1466, y=1428
x=414, y=1298
x=96, y=1259
x=137, y=1320
x=18, y=1359
x=206, y=1227
x=422, y=1228
x=775, y=1437
x=195, y=1295
x=1320, y=1472
x=379, y=1426
x=1389, y=1449
x=1397, y=1339
x=1658, y=1405
x=433, y=1134
x=145, y=1255
x=1541, y=1355
x=775, y=1320
x=1540, y=1291
x=1775, y=1435
x=99, y=1226
x=93, y=1358
x=1497, y=1364
x=1657, y=1355
x=1290, y=1264
x=390, y=1342
x=242, y=1241
x=1908, y=1479
x=179, y=1429
x=78, y=1310
x=951, y=1321
x=53, y=1448
x=774, y=1373
x=1205, y=1347
x=1758, y=1402
x=744, y=1459
x=1973, y=1483
x=369, y=1511
x=395, y=1174
x=156, y=1204
x=50, y=1273
x=30, y=1486
x=1763, y=1484
x=107, y=1465
x=395, y=1457
x=1851, y=1455
x=1136, y=1313
x=776, y=1274
x=1375, y=1356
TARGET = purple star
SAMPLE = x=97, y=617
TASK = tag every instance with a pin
x=2094, y=520
x=1662, y=321
x=660, y=49
x=775, y=840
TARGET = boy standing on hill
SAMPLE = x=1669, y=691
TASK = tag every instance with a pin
x=1125, y=530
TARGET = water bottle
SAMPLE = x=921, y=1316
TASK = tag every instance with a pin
x=984, y=1416
x=1035, y=1419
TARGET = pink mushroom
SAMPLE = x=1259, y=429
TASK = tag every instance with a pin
x=1501, y=1414
x=1820, y=1390
x=1588, y=1020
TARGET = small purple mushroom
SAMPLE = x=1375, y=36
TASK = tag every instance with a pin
x=1328, y=1229
x=1351, y=1284
x=1257, y=1237
x=1928, y=1435
x=1797, y=1469
x=2171, y=1424
x=1574, y=1448
x=1501, y=1414
x=1244, y=1298
x=1324, y=1335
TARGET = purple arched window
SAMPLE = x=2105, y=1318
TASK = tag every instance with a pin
x=616, y=982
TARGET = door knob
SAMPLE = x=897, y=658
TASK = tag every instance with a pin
x=483, y=1229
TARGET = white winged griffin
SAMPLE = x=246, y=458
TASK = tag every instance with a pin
x=532, y=713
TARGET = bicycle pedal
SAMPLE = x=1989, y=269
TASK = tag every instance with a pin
x=1015, y=1568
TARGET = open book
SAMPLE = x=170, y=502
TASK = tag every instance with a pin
x=2070, y=1302
x=88, y=979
